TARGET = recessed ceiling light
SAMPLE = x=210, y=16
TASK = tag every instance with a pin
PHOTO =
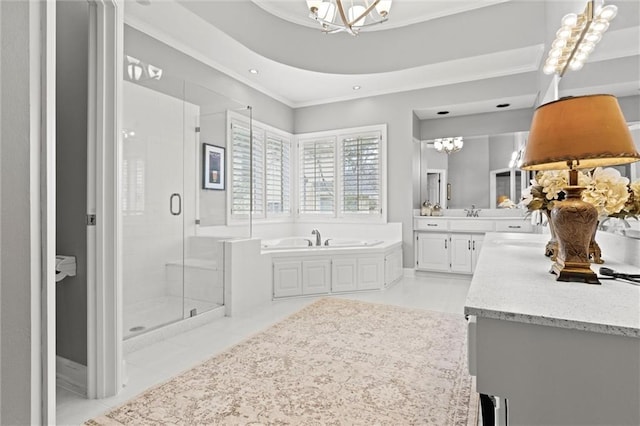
x=356, y=87
x=502, y=105
x=253, y=71
x=443, y=112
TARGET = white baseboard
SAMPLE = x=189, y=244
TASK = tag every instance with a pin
x=71, y=376
x=409, y=272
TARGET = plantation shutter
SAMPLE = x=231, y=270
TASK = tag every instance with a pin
x=240, y=171
x=360, y=174
x=278, y=175
x=317, y=176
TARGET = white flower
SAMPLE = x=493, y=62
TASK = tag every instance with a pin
x=606, y=191
x=635, y=187
x=553, y=182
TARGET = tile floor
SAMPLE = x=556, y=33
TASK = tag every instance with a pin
x=163, y=360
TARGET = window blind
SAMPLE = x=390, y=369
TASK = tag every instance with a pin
x=278, y=175
x=317, y=176
x=360, y=179
x=240, y=171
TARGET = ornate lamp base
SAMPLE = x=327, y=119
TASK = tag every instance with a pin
x=574, y=222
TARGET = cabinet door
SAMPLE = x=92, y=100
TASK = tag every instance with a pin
x=392, y=267
x=370, y=272
x=432, y=252
x=316, y=276
x=460, y=253
x=343, y=274
x=287, y=278
x=476, y=245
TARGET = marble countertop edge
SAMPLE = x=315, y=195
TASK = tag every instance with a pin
x=633, y=332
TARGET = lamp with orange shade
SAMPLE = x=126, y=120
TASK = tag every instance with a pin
x=574, y=133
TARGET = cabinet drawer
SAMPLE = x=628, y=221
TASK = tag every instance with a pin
x=430, y=224
x=514, y=226
x=472, y=225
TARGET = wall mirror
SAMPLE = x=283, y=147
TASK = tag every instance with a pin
x=480, y=175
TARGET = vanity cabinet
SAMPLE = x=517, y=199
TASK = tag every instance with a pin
x=453, y=244
x=465, y=249
x=451, y=252
x=432, y=251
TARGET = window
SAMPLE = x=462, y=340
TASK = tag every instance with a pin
x=278, y=175
x=360, y=174
x=270, y=191
x=317, y=176
x=350, y=165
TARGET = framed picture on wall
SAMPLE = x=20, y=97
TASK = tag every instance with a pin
x=213, y=167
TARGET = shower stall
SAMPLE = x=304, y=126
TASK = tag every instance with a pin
x=170, y=273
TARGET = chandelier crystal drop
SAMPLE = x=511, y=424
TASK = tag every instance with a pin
x=577, y=37
x=448, y=145
x=348, y=16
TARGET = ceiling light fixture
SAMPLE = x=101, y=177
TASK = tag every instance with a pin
x=577, y=37
x=356, y=87
x=348, y=15
x=253, y=71
x=448, y=145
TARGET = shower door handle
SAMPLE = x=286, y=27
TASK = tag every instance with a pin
x=171, y=204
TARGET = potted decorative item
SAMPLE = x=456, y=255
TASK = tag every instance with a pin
x=437, y=210
x=546, y=188
x=426, y=209
x=609, y=192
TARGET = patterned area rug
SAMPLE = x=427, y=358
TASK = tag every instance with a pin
x=337, y=362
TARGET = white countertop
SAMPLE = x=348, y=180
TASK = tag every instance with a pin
x=473, y=218
x=512, y=282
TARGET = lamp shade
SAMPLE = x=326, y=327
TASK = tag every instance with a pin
x=579, y=132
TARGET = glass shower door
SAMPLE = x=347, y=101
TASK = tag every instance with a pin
x=152, y=208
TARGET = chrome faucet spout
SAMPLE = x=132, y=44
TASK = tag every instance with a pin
x=318, y=237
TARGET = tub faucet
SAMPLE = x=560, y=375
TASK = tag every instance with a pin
x=472, y=212
x=318, y=238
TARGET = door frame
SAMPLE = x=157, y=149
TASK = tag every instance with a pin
x=104, y=265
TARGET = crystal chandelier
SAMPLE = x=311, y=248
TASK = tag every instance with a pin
x=577, y=37
x=448, y=145
x=348, y=15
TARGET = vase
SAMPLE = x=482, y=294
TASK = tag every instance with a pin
x=594, y=249
x=551, y=249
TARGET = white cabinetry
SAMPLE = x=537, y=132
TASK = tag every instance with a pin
x=447, y=252
x=344, y=274
x=287, y=278
x=370, y=272
x=453, y=244
x=432, y=252
x=316, y=276
x=335, y=273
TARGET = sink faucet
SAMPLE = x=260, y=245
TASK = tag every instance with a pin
x=472, y=212
x=318, y=238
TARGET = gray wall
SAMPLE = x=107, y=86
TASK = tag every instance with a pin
x=397, y=111
x=20, y=218
x=72, y=33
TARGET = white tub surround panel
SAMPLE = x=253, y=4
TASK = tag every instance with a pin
x=328, y=270
x=559, y=352
x=246, y=277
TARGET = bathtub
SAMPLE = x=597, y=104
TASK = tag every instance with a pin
x=307, y=243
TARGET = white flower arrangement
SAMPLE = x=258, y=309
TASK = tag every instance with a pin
x=606, y=190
